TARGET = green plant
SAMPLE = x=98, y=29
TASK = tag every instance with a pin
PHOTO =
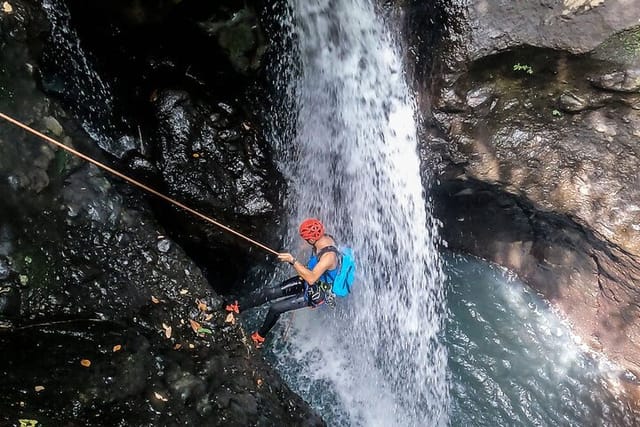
x=523, y=67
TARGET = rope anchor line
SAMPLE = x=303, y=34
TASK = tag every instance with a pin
x=135, y=182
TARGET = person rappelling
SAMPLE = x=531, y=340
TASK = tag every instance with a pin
x=311, y=287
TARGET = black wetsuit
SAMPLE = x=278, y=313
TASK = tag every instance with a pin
x=292, y=295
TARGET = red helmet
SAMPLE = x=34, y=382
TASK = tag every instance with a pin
x=311, y=228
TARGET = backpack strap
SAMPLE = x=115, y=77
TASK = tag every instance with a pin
x=335, y=250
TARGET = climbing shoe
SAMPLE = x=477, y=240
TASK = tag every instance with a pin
x=234, y=308
x=258, y=341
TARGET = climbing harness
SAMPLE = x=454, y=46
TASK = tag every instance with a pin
x=329, y=296
x=134, y=182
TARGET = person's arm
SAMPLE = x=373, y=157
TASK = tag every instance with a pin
x=325, y=263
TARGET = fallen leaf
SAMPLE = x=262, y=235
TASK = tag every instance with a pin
x=195, y=325
x=259, y=382
x=246, y=126
x=196, y=155
x=202, y=306
x=204, y=331
x=184, y=291
x=117, y=347
x=85, y=362
x=28, y=423
x=177, y=346
x=154, y=300
x=208, y=317
x=6, y=7
x=191, y=345
x=230, y=319
x=167, y=330
x=159, y=396
x=38, y=388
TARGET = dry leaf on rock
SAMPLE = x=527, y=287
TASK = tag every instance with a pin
x=6, y=7
x=177, y=346
x=155, y=300
x=160, y=397
x=117, y=347
x=184, y=291
x=38, y=388
x=202, y=306
x=85, y=362
x=167, y=330
x=230, y=319
x=194, y=325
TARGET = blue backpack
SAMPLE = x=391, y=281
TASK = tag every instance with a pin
x=346, y=274
x=343, y=276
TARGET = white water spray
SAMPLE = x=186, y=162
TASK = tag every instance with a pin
x=356, y=167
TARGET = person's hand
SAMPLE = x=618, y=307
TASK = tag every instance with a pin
x=287, y=257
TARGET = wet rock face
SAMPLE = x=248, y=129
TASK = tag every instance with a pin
x=537, y=158
x=575, y=26
x=97, y=298
x=89, y=269
x=169, y=89
x=210, y=157
x=123, y=375
x=543, y=129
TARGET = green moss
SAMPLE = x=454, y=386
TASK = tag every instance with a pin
x=61, y=162
x=622, y=48
x=241, y=38
x=32, y=267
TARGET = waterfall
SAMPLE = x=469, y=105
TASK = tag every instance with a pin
x=348, y=148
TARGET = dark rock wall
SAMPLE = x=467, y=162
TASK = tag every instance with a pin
x=97, y=292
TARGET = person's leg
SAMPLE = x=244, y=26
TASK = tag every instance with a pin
x=295, y=302
x=289, y=287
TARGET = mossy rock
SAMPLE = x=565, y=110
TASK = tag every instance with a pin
x=622, y=48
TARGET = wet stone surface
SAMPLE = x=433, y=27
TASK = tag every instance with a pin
x=107, y=373
x=94, y=271
x=104, y=318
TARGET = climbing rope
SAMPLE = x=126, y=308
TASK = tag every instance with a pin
x=134, y=182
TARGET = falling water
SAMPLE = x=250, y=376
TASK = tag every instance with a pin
x=356, y=167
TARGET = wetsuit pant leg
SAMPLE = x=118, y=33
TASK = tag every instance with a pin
x=295, y=302
x=291, y=286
